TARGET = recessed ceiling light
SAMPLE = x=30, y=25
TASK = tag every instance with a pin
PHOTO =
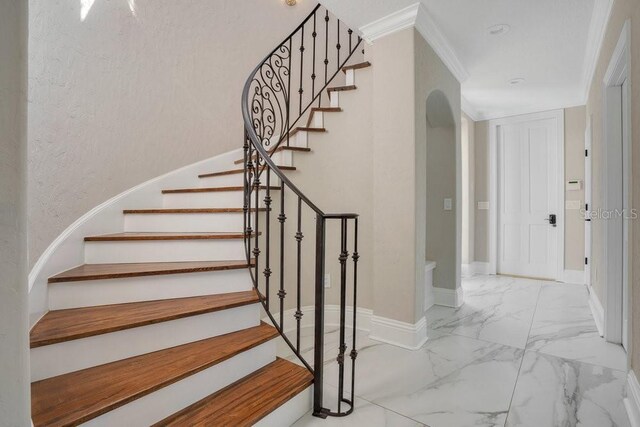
x=516, y=81
x=498, y=30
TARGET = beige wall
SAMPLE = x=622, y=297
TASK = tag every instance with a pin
x=337, y=176
x=622, y=11
x=574, y=129
x=15, y=407
x=468, y=217
x=393, y=144
x=118, y=99
x=575, y=125
x=481, y=182
x=400, y=138
x=443, y=134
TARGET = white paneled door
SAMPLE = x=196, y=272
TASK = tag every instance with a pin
x=528, y=211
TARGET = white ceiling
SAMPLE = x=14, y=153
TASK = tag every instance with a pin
x=547, y=46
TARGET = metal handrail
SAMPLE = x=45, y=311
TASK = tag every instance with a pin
x=267, y=110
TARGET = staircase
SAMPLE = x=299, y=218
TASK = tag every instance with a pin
x=162, y=325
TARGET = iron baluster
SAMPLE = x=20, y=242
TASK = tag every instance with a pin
x=267, y=225
x=301, y=90
x=318, y=353
x=354, y=352
x=344, y=255
x=338, y=44
x=313, y=62
x=256, y=247
x=282, y=218
x=299, y=237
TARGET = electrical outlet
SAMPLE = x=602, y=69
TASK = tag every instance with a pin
x=448, y=204
x=327, y=280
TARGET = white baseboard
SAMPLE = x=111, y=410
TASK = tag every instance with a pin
x=448, y=297
x=466, y=270
x=429, y=298
x=331, y=317
x=597, y=310
x=481, y=268
x=632, y=400
x=573, y=276
x=401, y=334
x=390, y=331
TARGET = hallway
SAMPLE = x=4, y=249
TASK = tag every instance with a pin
x=518, y=353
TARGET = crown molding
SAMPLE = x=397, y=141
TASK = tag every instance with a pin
x=470, y=110
x=417, y=16
x=392, y=23
x=597, y=30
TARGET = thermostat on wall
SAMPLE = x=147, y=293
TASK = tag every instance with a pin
x=574, y=185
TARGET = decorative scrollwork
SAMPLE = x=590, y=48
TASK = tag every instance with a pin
x=270, y=96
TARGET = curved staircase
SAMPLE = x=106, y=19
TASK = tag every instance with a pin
x=162, y=325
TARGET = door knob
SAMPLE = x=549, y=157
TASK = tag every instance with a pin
x=552, y=220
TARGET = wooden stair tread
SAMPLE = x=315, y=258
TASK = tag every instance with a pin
x=118, y=271
x=357, y=66
x=306, y=129
x=341, y=88
x=213, y=189
x=77, y=397
x=66, y=325
x=188, y=211
x=322, y=110
x=137, y=236
x=248, y=400
x=235, y=171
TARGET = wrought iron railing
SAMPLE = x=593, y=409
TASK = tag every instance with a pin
x=278, y=94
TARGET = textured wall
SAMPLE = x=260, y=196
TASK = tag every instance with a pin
x=136, y=89
x=14, y=343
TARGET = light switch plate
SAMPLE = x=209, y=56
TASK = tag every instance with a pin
x=327, y=280
x=448, y=204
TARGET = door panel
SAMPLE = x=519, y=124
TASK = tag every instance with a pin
x=528, y=190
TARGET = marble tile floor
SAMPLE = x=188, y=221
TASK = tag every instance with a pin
x=518, y=353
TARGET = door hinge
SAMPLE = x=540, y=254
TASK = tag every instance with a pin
x=586, y=153
x=586, y=206
x=586, y=261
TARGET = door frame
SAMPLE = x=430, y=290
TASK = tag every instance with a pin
x=493, y=184
x=617, y=282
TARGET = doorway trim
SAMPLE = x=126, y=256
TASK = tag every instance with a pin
x=617, y=282
x=493, y=184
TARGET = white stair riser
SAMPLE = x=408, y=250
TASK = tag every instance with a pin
x=318, y=120
x=164, y=402
x=224, y=199
x=300, y=139
x=70, y=356
x=290, y=412
x=184, y=222
x=164, y=251
x=350, y=77
x=335, y=99
x=232, y=180
x=147, y=288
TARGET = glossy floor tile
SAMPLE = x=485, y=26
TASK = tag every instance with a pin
x=517, y=353
x=557, y=392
